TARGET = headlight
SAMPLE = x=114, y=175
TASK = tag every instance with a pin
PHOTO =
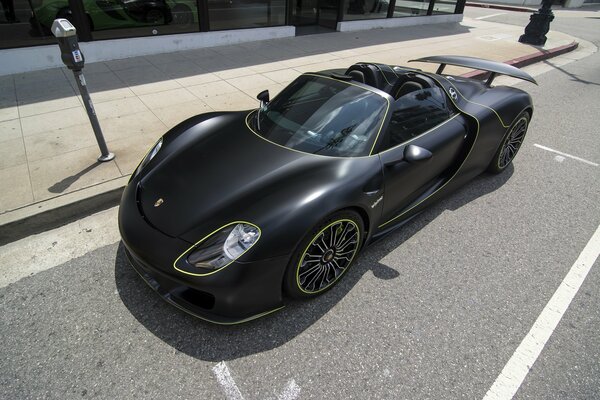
x=153, y=151
x=224, y=246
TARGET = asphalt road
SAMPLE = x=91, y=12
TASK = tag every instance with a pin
x=434, y=310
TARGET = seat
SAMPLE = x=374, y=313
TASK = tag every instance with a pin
x=357, y=76
x=407, y=87
x=409, y=83
x=372, y=75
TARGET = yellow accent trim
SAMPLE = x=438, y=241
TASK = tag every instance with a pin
x=209, y=235
x=143, y=158
x=312, y=242
x=507, y=137
x=376, y=91
x=253, y=317
x=474, y=102
x=458, y=169
x=383, y=73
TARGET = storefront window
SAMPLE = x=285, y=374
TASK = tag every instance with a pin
x=18, y=28
x=125, y=18
x=444, y=7
x=234, y=14
x=406, y=8
x=365, y=9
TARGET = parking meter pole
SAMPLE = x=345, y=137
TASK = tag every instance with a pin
x=72, y=57
x=89, y=107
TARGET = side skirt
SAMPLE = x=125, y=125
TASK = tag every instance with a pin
x=412, y=210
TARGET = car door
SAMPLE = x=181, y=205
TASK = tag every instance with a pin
x=420, y=148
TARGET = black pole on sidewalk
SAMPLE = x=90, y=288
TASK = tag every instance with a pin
x=539, y=25
x=89, y=107
x=72, y=57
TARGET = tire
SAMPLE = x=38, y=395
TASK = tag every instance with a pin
x=511, y=143
x=319, y=262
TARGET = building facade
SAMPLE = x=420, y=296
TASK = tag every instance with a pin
x=170, y=25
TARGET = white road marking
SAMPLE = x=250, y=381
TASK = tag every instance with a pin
x=490, y=16
x=539, y=146
x=226, y=381
x=291, y=391
x=559, y=158
x=522, y=360
x=48, y=249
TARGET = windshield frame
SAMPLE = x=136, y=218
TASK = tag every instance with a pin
x=365, y=87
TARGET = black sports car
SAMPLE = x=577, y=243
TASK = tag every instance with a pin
x=230, y=212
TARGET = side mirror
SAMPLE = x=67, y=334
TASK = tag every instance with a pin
x=415, y=154
x=263, y=97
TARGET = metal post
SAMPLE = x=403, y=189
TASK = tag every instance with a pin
x=87, y=102
x=539, y=25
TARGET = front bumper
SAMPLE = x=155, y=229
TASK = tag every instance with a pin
x=238, y=293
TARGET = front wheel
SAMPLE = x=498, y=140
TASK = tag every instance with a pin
x=324, y=255
x=510, y=144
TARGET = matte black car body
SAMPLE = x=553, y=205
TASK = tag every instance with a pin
x=214, y=169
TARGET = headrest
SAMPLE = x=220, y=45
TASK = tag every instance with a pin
x=370, y=72
x=407, y=87
x=358, y=76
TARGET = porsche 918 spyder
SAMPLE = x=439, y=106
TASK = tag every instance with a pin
x=230, y=213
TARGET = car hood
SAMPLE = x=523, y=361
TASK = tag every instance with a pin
x=212, y=173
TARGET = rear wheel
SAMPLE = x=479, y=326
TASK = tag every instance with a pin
x=324, y=255
x=510, y=144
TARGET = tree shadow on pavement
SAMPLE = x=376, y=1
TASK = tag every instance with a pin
x=209, y=342
x=571, y=75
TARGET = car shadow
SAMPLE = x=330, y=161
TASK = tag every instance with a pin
x=209, y=342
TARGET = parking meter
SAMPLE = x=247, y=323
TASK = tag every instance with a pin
x=72, y=57
x=66, y=34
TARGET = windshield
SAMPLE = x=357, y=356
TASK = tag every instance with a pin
x=319, y=115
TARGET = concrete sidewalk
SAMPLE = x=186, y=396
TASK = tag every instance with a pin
x=48, y=153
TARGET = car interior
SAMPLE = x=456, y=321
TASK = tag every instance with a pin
x=401, y=84
x=419, y=102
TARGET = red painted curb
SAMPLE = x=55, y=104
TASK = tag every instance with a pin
x=501, y=7
x=529, y=59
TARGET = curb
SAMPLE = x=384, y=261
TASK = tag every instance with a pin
x=55, y=212
x=529, y=59
x=52, y=213
x=501, y=7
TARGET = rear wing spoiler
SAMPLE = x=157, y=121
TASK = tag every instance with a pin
x=494, y=67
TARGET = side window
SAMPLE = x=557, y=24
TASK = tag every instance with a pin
x=416, y=113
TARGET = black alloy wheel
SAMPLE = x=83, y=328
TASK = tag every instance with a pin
x=510, y=144
x=325, y=255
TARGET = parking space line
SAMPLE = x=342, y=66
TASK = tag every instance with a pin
x=291, y=392
x=539, y=146
x=226, y=381
x=232, y=392
x=490, y=16
x=522, y=360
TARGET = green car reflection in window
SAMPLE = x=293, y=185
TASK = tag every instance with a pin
x=115, y=14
